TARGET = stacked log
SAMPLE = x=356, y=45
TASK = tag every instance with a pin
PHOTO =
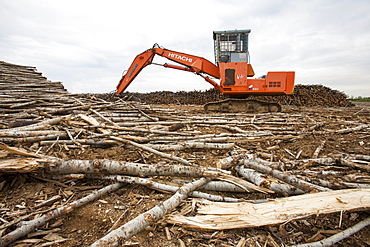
x=304, y=95
x=16, y=80
x=310, y=95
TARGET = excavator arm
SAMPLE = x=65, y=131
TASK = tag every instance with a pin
x=189, y=63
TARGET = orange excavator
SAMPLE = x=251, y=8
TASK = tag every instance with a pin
x=232, y=69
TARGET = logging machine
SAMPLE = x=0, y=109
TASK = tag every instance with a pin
x=232, y=69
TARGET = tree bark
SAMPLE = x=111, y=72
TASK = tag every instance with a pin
x=118, y=236
x=260, y=180
x=252, y=162
x=31, y=225
x=337, y=237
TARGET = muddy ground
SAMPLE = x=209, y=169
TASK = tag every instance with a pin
x=19, y=193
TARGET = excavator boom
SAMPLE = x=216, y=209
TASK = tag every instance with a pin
x=189, y=63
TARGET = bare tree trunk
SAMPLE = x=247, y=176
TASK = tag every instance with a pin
x=260, y=180
x=100, y=166
x=146, y=148
x=222, y=216
x=189, y=145
x=352, y=164
x=301, y=184
x=37, y=126
x=118, y=236
x=337, y=237
x=165, y=187
x=31, y=225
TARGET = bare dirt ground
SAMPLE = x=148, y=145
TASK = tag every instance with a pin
x=19, y=193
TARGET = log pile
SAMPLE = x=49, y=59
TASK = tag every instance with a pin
x=16, y=80
x=245, y=158
x=145, y=175
x=304, y=95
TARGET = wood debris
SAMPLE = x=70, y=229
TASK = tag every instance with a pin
x=222, y=216
x=57, y=148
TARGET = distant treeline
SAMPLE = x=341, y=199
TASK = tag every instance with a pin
x=359, y=99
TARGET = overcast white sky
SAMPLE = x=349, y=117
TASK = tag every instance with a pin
x=87, y=44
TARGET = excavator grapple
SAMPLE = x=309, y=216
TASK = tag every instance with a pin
x=232, y=69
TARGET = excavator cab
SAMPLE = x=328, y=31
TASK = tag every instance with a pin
x=231, y=46
x=232, y=57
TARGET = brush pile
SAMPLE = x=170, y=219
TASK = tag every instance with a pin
x=304, y=95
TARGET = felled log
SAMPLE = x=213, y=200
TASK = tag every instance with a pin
x=99, y=143
x=94, y=122
x=215, y=186
x=12, y=133
x=250, y=161
x=190, y=145
x=260, y=180
x=150, y=183
x=141, y=130
x=58, y=166
x=354, y=165
x=290, y=179
x=337, y=237
x=31, y=225
x=146, y=148
x=119, y=235
x=36, y=126
x=222, y=216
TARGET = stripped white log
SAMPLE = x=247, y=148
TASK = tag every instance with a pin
x=352, y=164
x=146, y=148
x=359, y=157
x=37, y=126
x=253, y=163
x=189, y=145
x=141, y=130
x=58, y=166
x=259, y=179
x=94, y=122
x=349, y=130
x=24, y=104
x=105, y=118
x=222, y=216
x=101, y=166
x=15, y=133
x=215, y=186
x=31, y=225
x=337, y=237
x=33, y=138
x=82, y=141
x=119, y=235
x=239, y=130
x=165, y=187
x=318, y=150
x=242, y=183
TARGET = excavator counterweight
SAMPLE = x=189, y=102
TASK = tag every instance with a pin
x=232, y=69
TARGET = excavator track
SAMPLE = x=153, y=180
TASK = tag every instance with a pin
x=241, y=106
